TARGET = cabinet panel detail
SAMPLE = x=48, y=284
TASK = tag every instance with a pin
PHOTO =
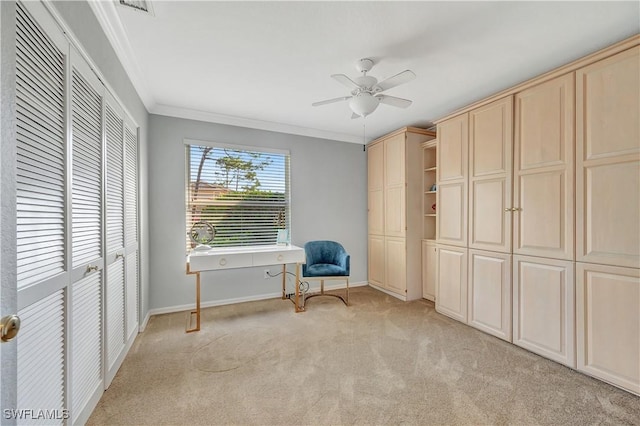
x=452, y=214
x=429, y=263
x=376, y=208
x=541, y=223
x=394, y=160
x=395, y=211
x=453, y=148
x=452, y=282
x=609, y=106
x=543, y=307
x=376, y=260
x=395, y=265
x=490, y=293
x=375, y=158
x=608, y=324
x=490, y=131
x=545, y=124
x=544, y=170
x=610, y=216
x=490, y=224
x=608, y=161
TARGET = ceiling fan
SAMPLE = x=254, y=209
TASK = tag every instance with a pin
x=366, y=91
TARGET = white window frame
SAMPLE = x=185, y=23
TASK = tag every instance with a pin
x=236, y=147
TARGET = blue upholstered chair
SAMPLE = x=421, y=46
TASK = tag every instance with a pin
x=326, y=260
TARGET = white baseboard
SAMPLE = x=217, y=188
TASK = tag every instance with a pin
x=144, y=322
x=212, y=303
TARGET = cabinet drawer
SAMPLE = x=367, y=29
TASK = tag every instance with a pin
x=220, y=261
x=277, y=257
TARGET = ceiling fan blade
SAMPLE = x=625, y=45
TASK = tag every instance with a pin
x=330, y=101
x=398, y=79
x=393, y=101
x=346, y=81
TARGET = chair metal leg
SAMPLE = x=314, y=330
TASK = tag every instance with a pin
x=347, y=291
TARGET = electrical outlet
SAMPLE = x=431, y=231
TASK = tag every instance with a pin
x=266, y=274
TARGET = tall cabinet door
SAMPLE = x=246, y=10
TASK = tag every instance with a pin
x=452, y=153
x=490, y=145
x=42, y=244
x=86, y=377
x=395, y=222
x=375, y=179
x=115, y=265
x=543, y=170
x=608, y=161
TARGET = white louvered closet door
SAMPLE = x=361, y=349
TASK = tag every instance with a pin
x=42, y=247
x=115, y=325
x=85, y=381
x=131, y=226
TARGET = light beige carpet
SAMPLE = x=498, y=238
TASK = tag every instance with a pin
x=379, y=361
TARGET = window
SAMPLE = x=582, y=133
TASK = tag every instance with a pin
x=242, y=191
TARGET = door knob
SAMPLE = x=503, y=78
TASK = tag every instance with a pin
x=10, y=326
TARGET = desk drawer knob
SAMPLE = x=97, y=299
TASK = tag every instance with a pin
x=280, y=257
x=223, y=261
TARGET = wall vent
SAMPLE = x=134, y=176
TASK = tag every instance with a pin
x=138, y=5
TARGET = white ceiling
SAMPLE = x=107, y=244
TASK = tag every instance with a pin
x=262, y=64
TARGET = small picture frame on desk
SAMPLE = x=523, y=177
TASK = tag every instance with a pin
x=283, y=237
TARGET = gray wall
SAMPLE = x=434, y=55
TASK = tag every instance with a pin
x=84, y=25
x=328, y=201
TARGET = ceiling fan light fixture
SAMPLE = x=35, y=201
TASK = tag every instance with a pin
x=363, y=104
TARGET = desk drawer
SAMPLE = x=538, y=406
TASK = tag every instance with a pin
x=220, y=261
x=274, y=258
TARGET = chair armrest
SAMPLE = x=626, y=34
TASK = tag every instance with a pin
x=344, y=260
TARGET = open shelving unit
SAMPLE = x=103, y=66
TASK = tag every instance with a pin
x=429, y=208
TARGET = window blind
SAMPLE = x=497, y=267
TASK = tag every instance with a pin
x=243, y=193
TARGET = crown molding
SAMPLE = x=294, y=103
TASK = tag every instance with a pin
x=107, y=15
x=210, y=117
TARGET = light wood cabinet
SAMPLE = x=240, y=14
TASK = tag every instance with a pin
x=608, y=161
x=395, y=264
x=543, y=170
x=395, y=191
x=375, y=183
x=429, y=262
x=490, y=292
x=376, y=259
x=490, y=160
x=543, y=180
x=451, y=282
x=544, y=307
x=608, y=323
x=452, y=154
x=395, y=181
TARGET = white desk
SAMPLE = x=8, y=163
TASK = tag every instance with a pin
x=244, y=257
